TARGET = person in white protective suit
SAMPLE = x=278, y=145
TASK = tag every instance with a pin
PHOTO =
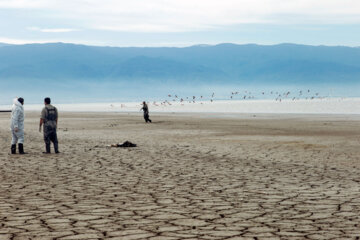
x=17, y=125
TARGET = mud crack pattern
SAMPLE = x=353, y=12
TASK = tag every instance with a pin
x=175, y=185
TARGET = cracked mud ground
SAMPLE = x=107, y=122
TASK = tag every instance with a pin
x=191, y=177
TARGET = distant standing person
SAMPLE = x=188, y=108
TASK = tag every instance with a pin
x=17, y=125
x=49, y=117
x=145, y=108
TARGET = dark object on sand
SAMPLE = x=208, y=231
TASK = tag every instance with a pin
x=1, y=111
x=124, y=145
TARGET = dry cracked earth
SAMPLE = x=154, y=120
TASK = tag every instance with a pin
x=191, y=177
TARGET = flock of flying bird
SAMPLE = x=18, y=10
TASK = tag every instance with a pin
x=236, y=95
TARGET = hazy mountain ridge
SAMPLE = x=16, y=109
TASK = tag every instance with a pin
x=223, y=63
x=4, y=44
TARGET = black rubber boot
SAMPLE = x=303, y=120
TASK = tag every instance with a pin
x=21, y=148
x=13, y=149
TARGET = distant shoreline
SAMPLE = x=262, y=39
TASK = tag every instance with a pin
x=302, y=106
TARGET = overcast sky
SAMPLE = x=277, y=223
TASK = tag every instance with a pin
x=180, y=22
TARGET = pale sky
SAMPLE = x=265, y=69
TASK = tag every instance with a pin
x=180, y=22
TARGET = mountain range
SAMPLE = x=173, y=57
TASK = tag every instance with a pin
x=60, y=66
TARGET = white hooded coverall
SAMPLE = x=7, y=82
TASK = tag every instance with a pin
x=17, y=121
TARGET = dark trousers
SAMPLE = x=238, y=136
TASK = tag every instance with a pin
x=50, y=136
x=146, y=117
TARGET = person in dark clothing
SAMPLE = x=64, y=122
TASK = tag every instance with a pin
x=49, y=117
x=145, y=108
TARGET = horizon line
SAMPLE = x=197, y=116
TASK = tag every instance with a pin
x=165, y=46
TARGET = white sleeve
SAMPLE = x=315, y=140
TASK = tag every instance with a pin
x=15, y=118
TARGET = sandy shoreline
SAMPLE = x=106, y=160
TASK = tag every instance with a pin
x=302, y=106
x=192, y=176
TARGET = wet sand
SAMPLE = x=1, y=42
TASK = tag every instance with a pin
x=192, y=176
